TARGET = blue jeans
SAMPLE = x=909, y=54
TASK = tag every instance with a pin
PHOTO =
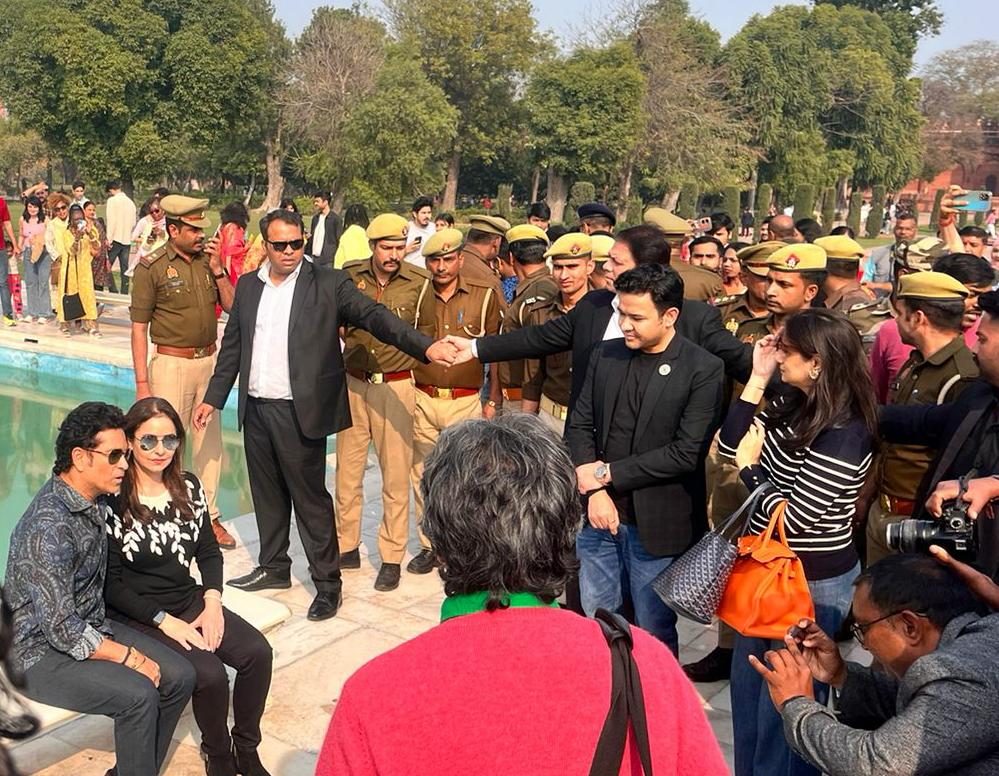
x=613, y=568
x=6, y=304
x=760, y=747
x=37, y=299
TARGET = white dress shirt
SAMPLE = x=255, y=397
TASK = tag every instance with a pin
x=269, y=374
x=120, y=218
x=613, y=330
x=319, y=236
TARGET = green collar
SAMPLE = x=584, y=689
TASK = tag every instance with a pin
x=469, y=603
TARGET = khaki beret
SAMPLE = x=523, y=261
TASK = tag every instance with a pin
x=442, y=243
x=387, y=226
x=490, y=224
x=670, y=223
x=572, y=245
x=930, y=285
x=802, y=257
x=600, y=247
x=527, y=232
x=190, y=210
x=756, y=258
x=841, y=247
x=920, y=255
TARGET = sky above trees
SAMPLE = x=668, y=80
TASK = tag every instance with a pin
x=962, y=18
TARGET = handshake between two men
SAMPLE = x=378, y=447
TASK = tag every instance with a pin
x=450, y=350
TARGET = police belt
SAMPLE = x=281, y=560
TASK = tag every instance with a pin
x=897, y=506
x=447, y=393
x=377, y=378
x=513, y=394
x=558, y=411
x=169, y=350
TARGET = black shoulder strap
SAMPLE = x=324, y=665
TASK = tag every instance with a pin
x=627, y=703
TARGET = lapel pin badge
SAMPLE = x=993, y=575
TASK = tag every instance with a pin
x=665, y=369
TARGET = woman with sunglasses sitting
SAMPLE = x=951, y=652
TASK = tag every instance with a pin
x=159, y=524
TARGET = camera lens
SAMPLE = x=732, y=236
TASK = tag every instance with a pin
x=912, y=535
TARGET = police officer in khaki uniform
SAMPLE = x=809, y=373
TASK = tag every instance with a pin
x=174, y=293
x=930, y=306
x=842, y=288
x=481, y=250
x=601, y=245
x=382, y=399
x=445, y=396
x=527, y=249
x=698, y=283
x=752, y=303
x=549, y=379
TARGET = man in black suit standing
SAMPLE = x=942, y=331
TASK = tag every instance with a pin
x=639, y=434
x=594, y=319
x=282, y=340
x=324, y=231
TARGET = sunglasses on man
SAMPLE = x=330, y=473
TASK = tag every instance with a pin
x=282, y=245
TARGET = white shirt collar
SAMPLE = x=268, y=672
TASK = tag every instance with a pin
x=265, y=276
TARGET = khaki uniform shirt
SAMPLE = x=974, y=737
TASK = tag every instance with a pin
x=551, y=375
x=409, y=294
x=475, y=267
x=177, y=297
x=734, y=310
x=536, y=287
x=472, y=311
x=698, y=283
x=848, y=297
x=934, y=380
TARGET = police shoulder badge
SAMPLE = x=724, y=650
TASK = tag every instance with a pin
x=732, y=325
x=361, y=285
x=171, y=272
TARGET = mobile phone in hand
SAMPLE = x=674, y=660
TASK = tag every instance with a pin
x=978, y=201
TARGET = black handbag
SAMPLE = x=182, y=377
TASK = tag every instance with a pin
x=693, y=584
x=627, y=702
x=72, y=305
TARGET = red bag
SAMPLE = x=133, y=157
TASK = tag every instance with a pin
x=767, y=591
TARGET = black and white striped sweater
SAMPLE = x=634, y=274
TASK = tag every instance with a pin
x=820, y=482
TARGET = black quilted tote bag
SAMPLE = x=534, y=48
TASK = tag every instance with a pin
x=693, y=584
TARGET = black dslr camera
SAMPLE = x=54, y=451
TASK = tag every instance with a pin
x=954, y=531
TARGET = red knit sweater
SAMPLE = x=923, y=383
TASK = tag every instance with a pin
x=516, y=692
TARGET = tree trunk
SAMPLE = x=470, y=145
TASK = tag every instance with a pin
x=451, y=185
x=754, y=179
x=249, y=189
x=535, y=184
x=557, y=195
x=275, y=178
x=670, y=199
x=624, y=190
x=842, y=194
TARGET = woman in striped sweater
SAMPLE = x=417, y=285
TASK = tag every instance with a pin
x=812, y=448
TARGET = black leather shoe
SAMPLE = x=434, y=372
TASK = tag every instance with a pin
x=388, y=577
x=223, y=765
x=423, y=563
x=324, y=606
x=713, y=667
x=248, y=763
x=259, y=579
x=350, y=560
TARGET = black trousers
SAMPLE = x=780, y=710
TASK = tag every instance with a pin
x=287, y=468
x=118, y=252
x=244, y=648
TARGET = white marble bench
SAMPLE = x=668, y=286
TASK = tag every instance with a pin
x=261, y=612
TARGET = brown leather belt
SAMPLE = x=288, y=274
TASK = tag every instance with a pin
x=559, y=411
x=204, y=352
x=513, y=394
x=897, y=506
x=447, y=393
x=377, y=378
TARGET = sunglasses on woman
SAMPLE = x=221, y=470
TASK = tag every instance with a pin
x=149, y=442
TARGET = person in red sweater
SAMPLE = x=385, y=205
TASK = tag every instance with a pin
x=509, y=682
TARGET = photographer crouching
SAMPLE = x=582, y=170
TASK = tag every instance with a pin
x=934, y=711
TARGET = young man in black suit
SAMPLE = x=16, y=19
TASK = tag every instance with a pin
x=282, y=340
x=638, y=434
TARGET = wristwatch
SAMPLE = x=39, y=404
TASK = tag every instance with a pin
x=219, y=276
x=602, y=472
x=159, y=617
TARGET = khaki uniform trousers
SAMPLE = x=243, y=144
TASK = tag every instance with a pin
x=878, y=520
x=725, y=493
x=432, y=417
x=183, y=382
x=382, y=414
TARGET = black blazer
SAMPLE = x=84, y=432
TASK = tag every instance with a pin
x=680, y=413
x=325, y=299
x=331, y=239
x=585, y=324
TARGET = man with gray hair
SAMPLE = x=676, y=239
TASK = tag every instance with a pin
x=504, y=531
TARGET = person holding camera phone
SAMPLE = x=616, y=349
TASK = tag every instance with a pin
x=965, y=431
x=932, y=708
x=80, y=244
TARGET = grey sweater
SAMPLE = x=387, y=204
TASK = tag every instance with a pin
x=942, y=717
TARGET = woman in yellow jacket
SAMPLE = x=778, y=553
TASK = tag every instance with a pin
x=80, y=243
x=353, y=241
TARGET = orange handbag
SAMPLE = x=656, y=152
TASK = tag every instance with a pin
x=767, y=591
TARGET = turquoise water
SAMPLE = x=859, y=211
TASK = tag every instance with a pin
x=33, y=404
